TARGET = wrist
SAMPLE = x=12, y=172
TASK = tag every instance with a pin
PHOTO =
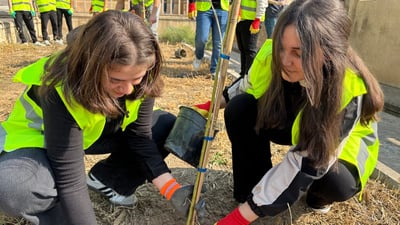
x=169, y=188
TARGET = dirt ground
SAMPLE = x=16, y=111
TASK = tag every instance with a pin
x=185, y=87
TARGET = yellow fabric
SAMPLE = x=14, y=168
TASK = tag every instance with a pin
x=204, y=5
x=46, y=5
x=260, y=72
x=24, y=126
x=248, y=10
x=63, y=4
x=147, y=3
x=21, y=5
x=360, y=148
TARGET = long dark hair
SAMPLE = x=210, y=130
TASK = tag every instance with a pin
x=323, y=28
x=112, y=37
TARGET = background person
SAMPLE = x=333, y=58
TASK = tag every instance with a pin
x=313, y=92
x=64, y=9
x=271, y=14
x=23, y=11
x=149, y=10
x=48, y=11
x=209, y=15
x=247, y=30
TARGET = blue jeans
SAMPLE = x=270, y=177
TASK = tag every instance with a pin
x=205, y=21
x=269, y=25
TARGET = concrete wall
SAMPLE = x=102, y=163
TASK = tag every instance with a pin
x=376, y=37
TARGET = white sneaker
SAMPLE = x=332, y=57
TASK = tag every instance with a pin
x=323, y=210
x=46, y=42
x=38, y=44
x=112, y=196
x=59, y=41
x=196, y=64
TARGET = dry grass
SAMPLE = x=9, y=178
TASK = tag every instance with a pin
x=184, y=87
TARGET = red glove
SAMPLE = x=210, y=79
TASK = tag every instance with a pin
x=192, y=12
x=233, y=218
x=203, y=108
x=255, y=26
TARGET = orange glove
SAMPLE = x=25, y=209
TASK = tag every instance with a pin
x=192, y=12
x=255, y=26
x=203, y=108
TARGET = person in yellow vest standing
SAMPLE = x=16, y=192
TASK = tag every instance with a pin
x=94, y=97
x=64, y=9
x=210, y=15
x=150, y=9
x=48, y=11
x=98, y=6
x=247, y=30
x=22, y=11
x=308, y=89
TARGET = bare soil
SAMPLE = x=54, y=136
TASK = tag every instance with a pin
x=185, y=87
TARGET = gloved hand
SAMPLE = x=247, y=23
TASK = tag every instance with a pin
x=255, y=26
x=70, y=11
x=13, y=14
x=192, y=12
x=203, y=108
x=182, y=198
x=33, y=13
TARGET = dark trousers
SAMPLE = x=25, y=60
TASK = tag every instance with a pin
x=123, y=171
x=251, y=153
x=251, y=157
x=44, y=18
x=339, y=184
x=26, y=17
x=68, y=19
x=247, y=44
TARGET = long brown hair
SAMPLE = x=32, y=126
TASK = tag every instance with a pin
x=112, y=37
x=323, y=28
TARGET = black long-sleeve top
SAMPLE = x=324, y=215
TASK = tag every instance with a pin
x=64, y=145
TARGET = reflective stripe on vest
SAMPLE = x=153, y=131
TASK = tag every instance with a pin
x=21, y=5
x=360, y=147
x=147, y=3
x=63, y=4
x=248, y=10
x=204, y=5
x=46, y=5
x=97, y=5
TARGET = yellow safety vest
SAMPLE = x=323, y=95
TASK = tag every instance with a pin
x=360, y=148
x=248, y=10
x=147, y=3
x=24, y=126
x=204, y=5
x=97, y=5
x=63, y=4
x=46, y=5
x=21, y=5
